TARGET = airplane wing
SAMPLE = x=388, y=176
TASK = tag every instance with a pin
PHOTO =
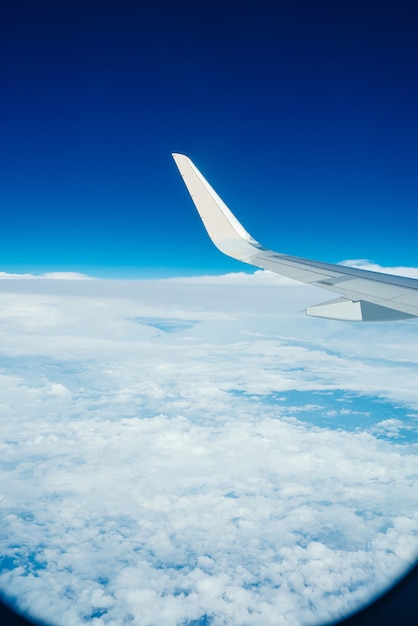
x=364, y=295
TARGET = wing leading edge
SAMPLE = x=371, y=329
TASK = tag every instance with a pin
x=364, y=295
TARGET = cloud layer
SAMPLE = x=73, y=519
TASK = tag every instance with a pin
x=195, y=452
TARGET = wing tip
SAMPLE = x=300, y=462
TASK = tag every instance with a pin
x=180, y=155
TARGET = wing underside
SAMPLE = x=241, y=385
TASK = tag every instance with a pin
x=364, y=295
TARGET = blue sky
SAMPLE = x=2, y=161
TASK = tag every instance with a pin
x=302, y=115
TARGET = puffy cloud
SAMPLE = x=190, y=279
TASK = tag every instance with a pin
x=179, y=450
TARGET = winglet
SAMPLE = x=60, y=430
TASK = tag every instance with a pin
x=226, y=232
x=366, y=295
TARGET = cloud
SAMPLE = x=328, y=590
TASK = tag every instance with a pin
x=411, y=272
x=257, y=277
x=255, y=466
x=47, y=275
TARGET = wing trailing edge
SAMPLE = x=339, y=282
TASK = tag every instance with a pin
x=365, y=295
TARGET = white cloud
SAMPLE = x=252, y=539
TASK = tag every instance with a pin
x=411, y=272
x=156, y=477
x=257, y=277
x=47, y=275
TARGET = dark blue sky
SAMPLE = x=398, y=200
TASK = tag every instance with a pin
x=303, y=116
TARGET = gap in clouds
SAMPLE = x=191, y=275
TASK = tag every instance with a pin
x=340, y=410
x=167, y=325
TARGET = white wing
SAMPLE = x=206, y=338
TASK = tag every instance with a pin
x=366, y=296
